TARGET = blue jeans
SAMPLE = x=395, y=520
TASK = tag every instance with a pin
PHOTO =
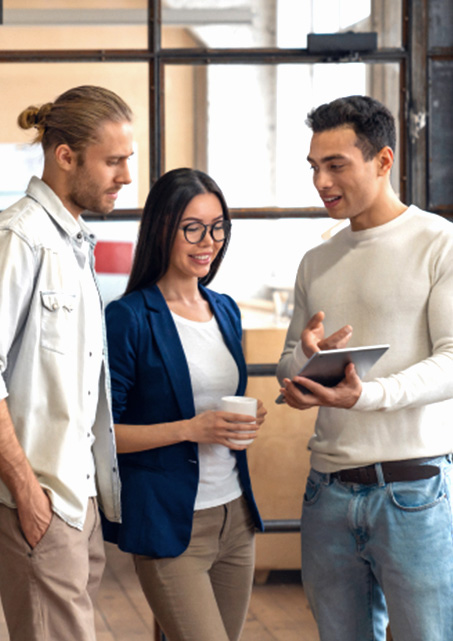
x=376, y=552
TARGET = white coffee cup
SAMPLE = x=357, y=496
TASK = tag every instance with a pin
x=240, y=405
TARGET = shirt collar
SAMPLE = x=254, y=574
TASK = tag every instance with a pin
x=77, y=230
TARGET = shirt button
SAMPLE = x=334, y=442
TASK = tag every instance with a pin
x=80, y=235
x=55, y=306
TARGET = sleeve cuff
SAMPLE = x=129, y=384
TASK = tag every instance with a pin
x=3, y=390
x=291, y=363
x=298, y=360
x=371, y=398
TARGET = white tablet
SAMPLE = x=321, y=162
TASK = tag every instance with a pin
x=327, y=367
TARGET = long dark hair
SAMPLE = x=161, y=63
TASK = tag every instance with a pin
x=164, y=207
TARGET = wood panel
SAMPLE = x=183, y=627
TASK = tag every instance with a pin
x=278, y=459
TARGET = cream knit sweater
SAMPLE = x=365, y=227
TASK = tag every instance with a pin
x=393, y=284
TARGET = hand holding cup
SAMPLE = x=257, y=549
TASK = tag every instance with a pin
x=240, y=405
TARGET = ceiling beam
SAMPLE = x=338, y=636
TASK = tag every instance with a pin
x=183, y=17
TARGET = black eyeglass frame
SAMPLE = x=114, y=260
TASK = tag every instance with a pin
x=226, y=227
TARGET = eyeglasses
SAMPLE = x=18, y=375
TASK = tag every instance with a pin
x=195, y=232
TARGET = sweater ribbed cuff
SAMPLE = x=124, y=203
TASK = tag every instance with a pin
x=371, y=398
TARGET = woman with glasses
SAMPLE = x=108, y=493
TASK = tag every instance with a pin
x=175, y=349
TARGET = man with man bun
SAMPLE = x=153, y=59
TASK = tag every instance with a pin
x=57, y=451
x=377, y=517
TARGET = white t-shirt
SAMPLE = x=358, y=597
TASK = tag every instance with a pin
x=213, y=374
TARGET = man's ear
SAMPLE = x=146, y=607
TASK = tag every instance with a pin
x=65, y=157
x=385, y=160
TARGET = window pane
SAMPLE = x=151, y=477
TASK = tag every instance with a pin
x=277, y=23
x=245, y=124
x=260, y=266
x=336, y=16
x=35, y=84
x=74, y=24
x=440, y=136
x=440, y=23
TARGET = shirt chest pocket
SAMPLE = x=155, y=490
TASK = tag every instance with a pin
x=58, y=320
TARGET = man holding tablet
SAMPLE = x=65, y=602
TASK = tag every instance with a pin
x=377, y=525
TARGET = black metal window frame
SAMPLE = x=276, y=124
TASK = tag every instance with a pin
x=413, y=57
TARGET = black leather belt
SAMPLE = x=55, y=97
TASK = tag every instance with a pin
x=393, y=471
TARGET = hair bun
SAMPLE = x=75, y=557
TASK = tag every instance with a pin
x=34, y=116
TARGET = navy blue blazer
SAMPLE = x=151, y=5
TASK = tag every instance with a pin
x=151, y=384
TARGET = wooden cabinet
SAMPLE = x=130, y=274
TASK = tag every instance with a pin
x=278, y=459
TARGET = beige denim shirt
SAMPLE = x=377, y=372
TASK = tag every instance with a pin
x=43, y=352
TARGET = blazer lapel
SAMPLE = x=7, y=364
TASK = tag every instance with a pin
x=169, y=345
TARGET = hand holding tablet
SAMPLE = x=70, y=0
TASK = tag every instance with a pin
x=327, y=367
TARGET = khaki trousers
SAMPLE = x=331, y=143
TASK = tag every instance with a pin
x=47, y=592
x=203, y=594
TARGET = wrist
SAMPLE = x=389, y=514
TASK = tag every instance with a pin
x=184, y=432
x=29, y=495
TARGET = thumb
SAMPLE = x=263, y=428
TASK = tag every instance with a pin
x=351, y=373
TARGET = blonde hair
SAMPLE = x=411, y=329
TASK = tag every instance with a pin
x=75, y=117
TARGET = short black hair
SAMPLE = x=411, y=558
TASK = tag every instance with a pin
x=372, y=122
x=164, y=208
